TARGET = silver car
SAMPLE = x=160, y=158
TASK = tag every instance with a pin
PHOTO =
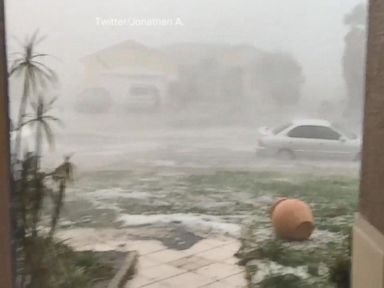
x=310, y=139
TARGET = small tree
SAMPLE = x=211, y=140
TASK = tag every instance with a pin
x=36, y=250
x=41, y=119
x=28, y=65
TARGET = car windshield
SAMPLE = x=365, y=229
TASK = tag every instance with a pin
x=346, y=132
x=280, y=128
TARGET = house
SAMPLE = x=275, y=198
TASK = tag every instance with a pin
x=128, y=75
x=206, y=76
x=216, y=72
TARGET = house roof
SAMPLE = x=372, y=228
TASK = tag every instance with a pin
x=127, y=45
x=130, y=55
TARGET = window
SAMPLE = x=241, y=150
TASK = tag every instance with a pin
x=302, y=132
x=326, y=133
x=314, y=132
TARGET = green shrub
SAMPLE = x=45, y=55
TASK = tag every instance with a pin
x=341, y=264
x=283, y=281
x=340, y=271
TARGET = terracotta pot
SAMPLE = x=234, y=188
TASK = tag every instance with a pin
x=292, y=219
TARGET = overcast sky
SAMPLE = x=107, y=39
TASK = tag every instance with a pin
x=312, y=30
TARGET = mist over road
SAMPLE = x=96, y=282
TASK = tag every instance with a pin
x=153, y=145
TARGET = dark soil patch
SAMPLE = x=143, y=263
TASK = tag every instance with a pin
x=177, y=238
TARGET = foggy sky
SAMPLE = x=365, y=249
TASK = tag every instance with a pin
x=312, y=30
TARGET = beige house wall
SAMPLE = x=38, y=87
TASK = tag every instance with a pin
x=368, y=254
x=368, y=239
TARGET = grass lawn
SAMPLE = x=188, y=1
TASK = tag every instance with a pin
x=318, y=262
x=239, y=197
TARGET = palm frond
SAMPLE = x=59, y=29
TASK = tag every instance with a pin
x=44, y=77
x=39, y=55
x=48, y=133
x=54, y=119
x=49, y=73
x=18, y=61
x=32, y=78
x=37, y=39
x=31, y=121
x=37, y=73
x=16, y=68
x=52, y=101
x=33, y=38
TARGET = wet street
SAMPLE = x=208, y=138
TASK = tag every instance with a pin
x=105, y=147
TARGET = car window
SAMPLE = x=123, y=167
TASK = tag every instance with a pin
x=314, y=132
x=301, y=132
x=326, y=133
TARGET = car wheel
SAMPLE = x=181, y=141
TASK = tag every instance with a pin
x=286, y=154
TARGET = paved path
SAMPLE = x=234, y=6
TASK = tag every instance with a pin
x=209, y=263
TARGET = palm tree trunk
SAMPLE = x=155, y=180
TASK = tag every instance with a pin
x=38, y=142
x=38, y=197
x=18, y=197
x=22, y=110
x=58, y=207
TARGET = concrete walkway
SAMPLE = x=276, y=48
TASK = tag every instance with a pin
x=209, y=263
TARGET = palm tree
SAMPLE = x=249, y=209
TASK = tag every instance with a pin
x=41, y=119
x=36, y=75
